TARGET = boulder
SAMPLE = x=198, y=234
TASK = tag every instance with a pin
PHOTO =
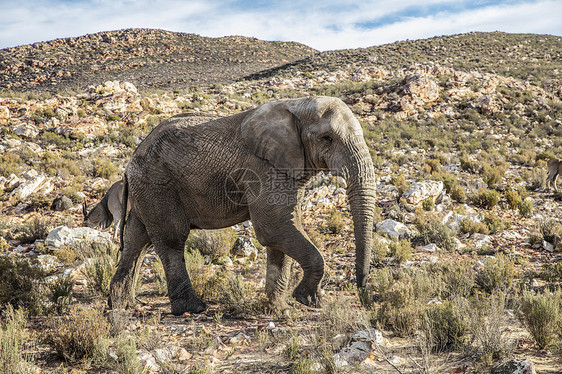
x=514, y=366
x=26, y=130
x=421, y=191
x=394, y=229
x=4, y=115
x=31, y=182
x=64, y=236
x=244, y=248
x=62, y=203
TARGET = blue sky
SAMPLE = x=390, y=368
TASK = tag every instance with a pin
x=324, y=25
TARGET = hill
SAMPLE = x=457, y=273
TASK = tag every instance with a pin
x=535, y=58
x=147, y=58
x=467, y=259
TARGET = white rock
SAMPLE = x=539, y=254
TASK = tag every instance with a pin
x=394, y=229
x=148, y=361
x=31, y=182
x=432, y=247
x=243, y=247
x=47, y=263
x=547, y=246
x=421, y=191
x=64, y=236
x=514, y=366
x=480, y=240
x=26, y=131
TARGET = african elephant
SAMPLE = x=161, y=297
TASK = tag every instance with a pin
x=251, y=165
x=554, y=166
x=108, y=210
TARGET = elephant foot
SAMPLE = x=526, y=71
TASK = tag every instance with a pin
x=279, y=307
x=121, y=296
x=192, y=305
x=311, y=299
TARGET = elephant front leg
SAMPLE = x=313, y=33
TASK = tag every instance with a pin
x=180, y=290
x=277, y=277
x=123, y=283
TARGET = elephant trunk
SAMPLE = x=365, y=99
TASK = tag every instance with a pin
x=361, y=195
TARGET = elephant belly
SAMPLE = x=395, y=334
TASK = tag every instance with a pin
x=218, y=220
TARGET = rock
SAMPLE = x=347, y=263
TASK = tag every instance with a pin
x=244, y=248
x=363, y=344
x=61, y=204
x=32, y=182
x=64, y=236
x=76, y=127
x=148, y=361
x=514, y=366
x=4, y=115
x=547, y=246
x=432, y=247
x=26, y=131
x=239, y=339
x=47, y=263
x=421, y=191
x=394, y=229
x=480, y=240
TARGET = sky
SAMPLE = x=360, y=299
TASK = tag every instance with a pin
x=323, y=25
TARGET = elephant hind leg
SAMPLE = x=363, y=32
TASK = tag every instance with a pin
x=180, y=289
x=123, y=283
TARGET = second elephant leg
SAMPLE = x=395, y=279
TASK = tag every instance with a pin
x=277, y=277
x=123, y=283
x=180, y=290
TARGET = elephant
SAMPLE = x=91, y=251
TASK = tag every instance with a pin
x=554, y=166
x=253, y=165
x=108, y=210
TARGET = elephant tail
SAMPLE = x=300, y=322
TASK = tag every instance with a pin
x=125, y=192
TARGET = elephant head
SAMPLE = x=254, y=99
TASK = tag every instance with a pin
x=314, y=134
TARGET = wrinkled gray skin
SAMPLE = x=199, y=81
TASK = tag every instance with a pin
x=252, y=165
x=108, y=210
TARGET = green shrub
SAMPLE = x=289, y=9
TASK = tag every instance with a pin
x=458, y=279
x=20, y=283
x=13, y=338
x=159, y=277
x=292, y=348
x=213, y=243
x=10, y=163
x=401, y=250
x=303, y=365
x=457, y=193
x=127, y=352
x=335, y=223
x=492, y=175
x=61, y=293
x=444, y=326
x=541, y=315
x=100, y=265
x=74, y=336
x=428, y=205
x=513, y=199
x=432, y=230
x=379, y=251
x=526, y=207
x=551, y=230
x=485, y=198
x=470, y=226
x=36, y=228
x=496, y=274
x=104, y=168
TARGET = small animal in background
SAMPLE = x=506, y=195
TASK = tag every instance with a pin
x=554, y=165
x=107, y=210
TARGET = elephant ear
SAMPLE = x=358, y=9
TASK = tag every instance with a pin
x=270, y=132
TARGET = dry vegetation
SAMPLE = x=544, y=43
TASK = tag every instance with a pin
x=489, y=289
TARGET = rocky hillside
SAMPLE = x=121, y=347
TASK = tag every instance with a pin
x=467, y=261
x=147, y=58
x=534, y=58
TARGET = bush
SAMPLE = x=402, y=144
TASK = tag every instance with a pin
x=335, y=222
x=20, y=284
x=12, y=341
x=541, y=315
x=485, y=198
x=470, y=226
x=128, y=360
x=432, y=230
x=100, y=265
x=487, y=320
x=551, y=231
x=526, y=207
x=496, y=275
x=75, y=336
x=401, y=250
x=444, y=326
x=213, y=243
x=61, y=293
x=428, y=205
x=457, y=193
x=513, y=199
x=457, y=278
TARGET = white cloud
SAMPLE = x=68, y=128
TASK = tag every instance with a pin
x=323, y=25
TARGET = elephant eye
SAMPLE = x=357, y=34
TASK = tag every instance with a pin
x=327, y=138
